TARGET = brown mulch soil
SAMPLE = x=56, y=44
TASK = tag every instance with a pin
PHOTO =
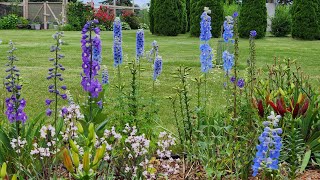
x=310, y=175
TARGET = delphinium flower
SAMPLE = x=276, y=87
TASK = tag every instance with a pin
x=139, y=43
x=47, y=134
x=15, y=104
x=206, y=57
x=71, y=115
x=55, y=76
x=117, y=42
x=228, y=29
x=241, y=83
x=228, y=61
x=154, y=52
x=105, y=76
x=206, y=54
x=18, y=144
x=268, y=151
x=253, y=33
x=227, y=36
x=91, y=45
x=157, y=67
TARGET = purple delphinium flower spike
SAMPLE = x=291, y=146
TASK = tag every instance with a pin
x=206, y=54
x=15, y=105
x=55, y=75
x=117, y=42
x=139, y=43
x=91, y=58
x=157, y=68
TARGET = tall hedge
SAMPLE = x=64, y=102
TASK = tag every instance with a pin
x=183, y=16
x=166, y=16
x=305, y=19
x=253, y=16
x=151, y=16
x=196, y=9
x=188, y=14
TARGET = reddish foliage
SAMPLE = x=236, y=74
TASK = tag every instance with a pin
x=127, y=13
x=104, y=15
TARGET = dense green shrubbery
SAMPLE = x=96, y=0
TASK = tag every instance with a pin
x=183, y=16
x=166, y=16
x=130, y=18
x=151, y=16
x=305, y=19
x=9, y=22
x=281, y=22
x=253, y=16
x=216, y=16
x=77, y=14
x=229, y=9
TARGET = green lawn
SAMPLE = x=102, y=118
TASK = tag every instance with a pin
x=33, y=53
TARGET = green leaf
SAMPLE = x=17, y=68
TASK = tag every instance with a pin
x=4, y=139
x=305, y=161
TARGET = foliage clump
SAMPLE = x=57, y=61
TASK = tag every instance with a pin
x=166, y=16
x=281, y=22
x=253, y=16
x=196, y=9
x=305, y=19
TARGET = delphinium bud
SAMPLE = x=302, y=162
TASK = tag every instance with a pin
x=15, y=104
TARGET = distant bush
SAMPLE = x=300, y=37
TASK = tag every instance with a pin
x=9, y=22
x=129, y=17
x=197, y=7
x=105, y=16
x=253, y=16
x=143, y=26
x=151, y=16
x=167, y=17
x=229, y=9
x=305, y=19
x=281, y=22
x=125, y=26
x=77, y=14
x=68, y=27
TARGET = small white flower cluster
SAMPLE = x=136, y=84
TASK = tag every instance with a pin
x=139, y=144
x=170, y=166
x=18, y=144
x=71, y=114
x=47, y=134
x=108, y=134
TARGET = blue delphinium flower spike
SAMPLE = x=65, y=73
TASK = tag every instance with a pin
x=157, y=67
x=139, y=43
x=117, y=42
x=105, y=76
x=268, y=151
x=206, y=54
x=227, y=61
